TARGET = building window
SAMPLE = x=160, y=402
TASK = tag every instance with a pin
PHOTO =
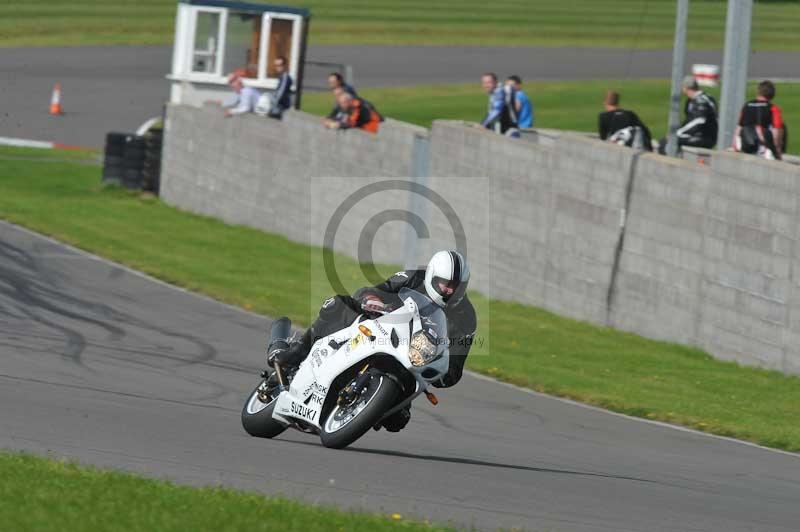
x=281, y=40
x=206, y=43
x=242, y=43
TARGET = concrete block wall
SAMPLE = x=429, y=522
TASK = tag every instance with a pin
x=701, y=254
x=268, y=174
x=663, y=258
x=554, y=215
x=709, y=258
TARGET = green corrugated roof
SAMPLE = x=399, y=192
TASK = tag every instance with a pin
x=249, y=7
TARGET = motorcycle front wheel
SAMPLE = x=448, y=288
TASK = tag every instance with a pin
x=257, y=415
x=346, y=424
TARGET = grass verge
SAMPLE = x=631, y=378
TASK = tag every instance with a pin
x=613, y=23
x=38, y=492
x=558, y=104
x=529, y=347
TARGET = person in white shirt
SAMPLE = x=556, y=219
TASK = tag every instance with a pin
x=244, y=100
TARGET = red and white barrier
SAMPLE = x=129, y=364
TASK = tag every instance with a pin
x=706, y=75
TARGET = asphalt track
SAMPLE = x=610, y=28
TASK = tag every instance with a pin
x=105, y=366
x=116, y=88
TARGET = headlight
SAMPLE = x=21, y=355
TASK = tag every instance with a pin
x=422, y=351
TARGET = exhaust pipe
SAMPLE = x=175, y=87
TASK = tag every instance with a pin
x=279, y=334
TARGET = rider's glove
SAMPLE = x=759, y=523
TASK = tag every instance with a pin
x=277, y=351
x=372, y=304
x=272, y=356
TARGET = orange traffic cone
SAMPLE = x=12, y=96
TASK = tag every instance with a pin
x=55, y=100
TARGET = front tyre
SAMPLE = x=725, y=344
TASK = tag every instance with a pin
x=346, y=424
x=257, y=414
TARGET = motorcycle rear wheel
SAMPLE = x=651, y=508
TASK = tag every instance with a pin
x=343, y=426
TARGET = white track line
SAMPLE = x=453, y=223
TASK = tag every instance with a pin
x=42, y=144
x=25, y=143
x=471, y=373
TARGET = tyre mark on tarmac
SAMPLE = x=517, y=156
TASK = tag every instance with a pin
x=34, y=284
x=157, y=352
x=117, y=392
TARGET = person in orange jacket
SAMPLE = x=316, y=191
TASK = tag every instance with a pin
x=356, y=113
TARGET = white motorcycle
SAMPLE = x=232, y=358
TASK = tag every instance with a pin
x=356, y=377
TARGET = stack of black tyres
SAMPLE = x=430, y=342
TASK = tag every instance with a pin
x=124, y=160
x=133, y=162
x=151, y=169
x=113, y=160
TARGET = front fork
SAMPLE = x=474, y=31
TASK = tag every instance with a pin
x=281, y=376
x=353, y=390
x=263, y=393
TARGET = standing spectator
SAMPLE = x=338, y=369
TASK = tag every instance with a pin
x=356, y=113
x=335, y=80
x=522, y=103
x=761, y=129
x=281, y=98
x=245, y=99
x=699, y=128
x=501, y=116
x=621, y=126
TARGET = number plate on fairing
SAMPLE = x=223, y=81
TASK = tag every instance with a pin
x=288, y=406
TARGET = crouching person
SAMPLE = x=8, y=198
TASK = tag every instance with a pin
x=355, y=112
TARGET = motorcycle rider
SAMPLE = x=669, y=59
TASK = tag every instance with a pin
x=621, y=126
x=761, y=129
x=444, y=281
x=699, y=128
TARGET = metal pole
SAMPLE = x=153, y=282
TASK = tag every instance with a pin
x=416, y=203
x=301, y=65
x=734, y=68
x=348, y=74
x=678, y=68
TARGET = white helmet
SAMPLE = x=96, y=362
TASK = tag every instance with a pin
x=446, y=278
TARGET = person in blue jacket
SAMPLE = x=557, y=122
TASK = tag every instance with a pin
x=522, y=103
x=501, y=115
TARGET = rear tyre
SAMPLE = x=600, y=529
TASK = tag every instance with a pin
x=113, y=160
x=132, y=178
x=115, y=144
x=345, y=425
x=257, y=416
x=133, y=156
x=112, y=175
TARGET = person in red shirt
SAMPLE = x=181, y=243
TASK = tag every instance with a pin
x=761, y=129
x=356, y=113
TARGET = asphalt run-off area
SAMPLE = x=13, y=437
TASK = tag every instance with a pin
x=103, y=365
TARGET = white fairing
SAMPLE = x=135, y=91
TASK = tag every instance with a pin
x=311, y=384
